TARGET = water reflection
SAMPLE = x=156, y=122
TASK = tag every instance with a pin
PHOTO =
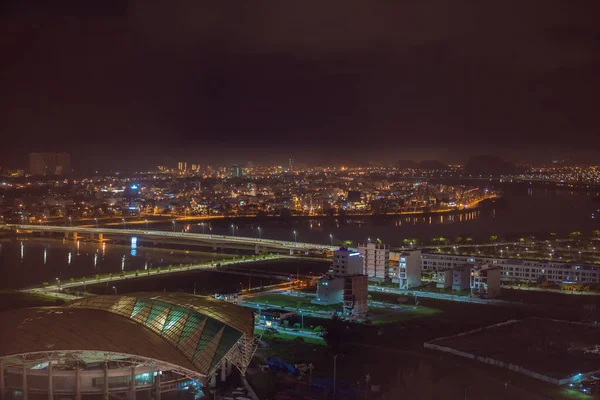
x=48, y=259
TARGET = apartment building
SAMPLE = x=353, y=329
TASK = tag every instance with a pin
x=376, y=259
x=409, y=269
x=513, y=269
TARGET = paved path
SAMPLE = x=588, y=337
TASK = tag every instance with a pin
x=55, y=289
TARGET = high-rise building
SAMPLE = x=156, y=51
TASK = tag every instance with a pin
x=376, y=258
x=235, y=171
x=291, y=164
x=195, y=167
x=182, y=166
x=409, y=270
x=49, y=163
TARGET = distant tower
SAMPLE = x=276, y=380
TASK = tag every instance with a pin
x=291, y=164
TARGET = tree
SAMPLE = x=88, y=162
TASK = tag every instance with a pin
x=319, y=329
x=285, y=324
x=469, y=240
x=493, y=238
x=596, y=232
x=575, y=235
x=297, y=325
x=458, y=240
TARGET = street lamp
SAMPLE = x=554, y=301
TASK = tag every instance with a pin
x=124, y=223
x=96, y=219
x=331, y=239
x=259, y=232
x=173, y=225
x=302, y=316
x=202, y=223
x=295, y=237
x=232, y=230
x=114, y=290
x=70, y=221
x=146, y=221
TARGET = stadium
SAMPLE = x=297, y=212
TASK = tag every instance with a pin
x=139, y=345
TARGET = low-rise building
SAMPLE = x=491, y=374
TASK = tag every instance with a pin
x=232, y=296
x=461, y=277
x=485, y=281
x=274, y=316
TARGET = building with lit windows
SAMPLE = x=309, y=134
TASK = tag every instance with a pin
x=235, y=171
x=182, y=166
x=409, y=269
x=144, y=345
x=485, y=281
x=376, y=259
x=345, y=283
x=518, y=269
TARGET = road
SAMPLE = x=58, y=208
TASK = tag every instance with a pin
x=56, y=289
x=200, y=237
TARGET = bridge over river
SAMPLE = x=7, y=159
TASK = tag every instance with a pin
x=215, y=241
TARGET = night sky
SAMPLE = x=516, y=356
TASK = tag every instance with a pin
x=146, y=82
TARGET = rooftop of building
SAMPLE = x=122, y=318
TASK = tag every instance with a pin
x=191, y=332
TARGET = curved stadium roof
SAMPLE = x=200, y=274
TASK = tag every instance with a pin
x=189, y=331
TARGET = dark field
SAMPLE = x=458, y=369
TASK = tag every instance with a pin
x=552, y=348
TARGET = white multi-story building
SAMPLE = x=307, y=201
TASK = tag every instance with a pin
x=376, y=258
x=515, y=270
x=409, y=269
x=345, y=282
x=346, y=262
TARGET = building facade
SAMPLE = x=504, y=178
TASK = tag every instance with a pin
x=409, y=269
x=518, y=270
x=376, y=259
x=345, y=283
x=356, y=295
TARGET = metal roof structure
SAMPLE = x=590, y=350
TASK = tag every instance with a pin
x=191, y=332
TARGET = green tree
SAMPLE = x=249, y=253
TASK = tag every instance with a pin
x=596, y=232
x=319, y=329
x=285, y=324
x=575, y=235
x=493, y=238
x=297, y=325
x=459, y=240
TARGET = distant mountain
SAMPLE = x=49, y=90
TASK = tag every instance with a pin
x=432, y=164
x=426, y=164
x=402, y=164
x=488, y=165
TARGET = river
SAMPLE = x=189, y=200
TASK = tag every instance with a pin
x=523, y=210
